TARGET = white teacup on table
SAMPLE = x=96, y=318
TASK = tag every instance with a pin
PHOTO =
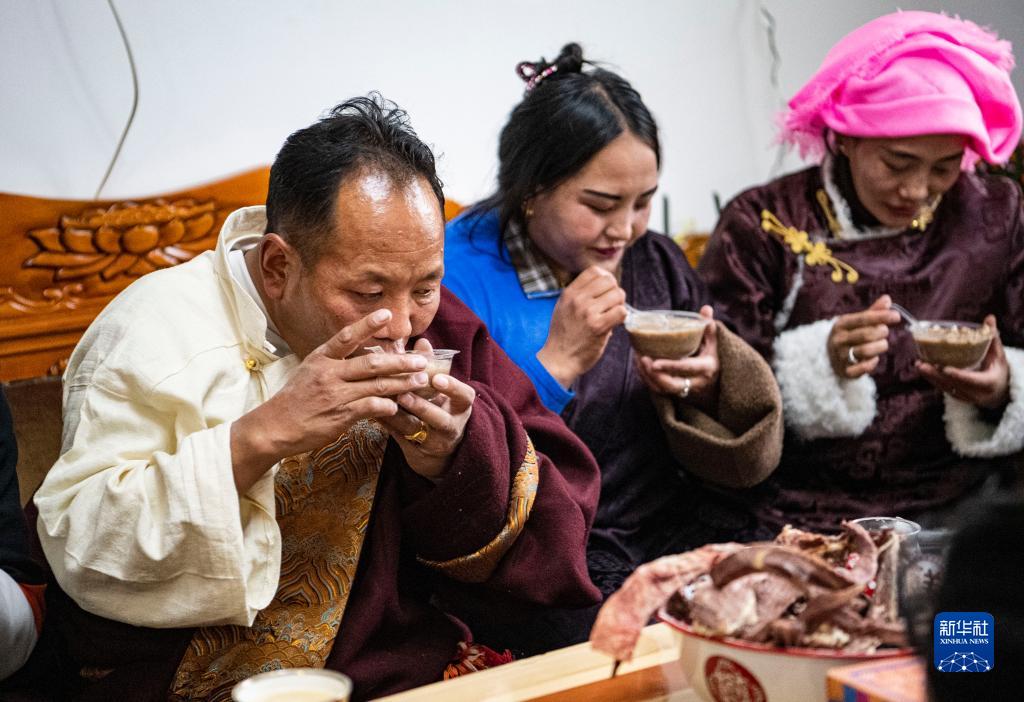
x=294, y=685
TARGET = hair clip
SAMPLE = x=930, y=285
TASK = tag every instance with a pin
x=528, y=72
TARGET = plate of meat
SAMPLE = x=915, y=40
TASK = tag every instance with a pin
x=765, y=622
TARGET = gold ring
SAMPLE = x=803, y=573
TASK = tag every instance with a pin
x=420, y=435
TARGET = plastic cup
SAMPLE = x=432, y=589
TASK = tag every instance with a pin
x=665, y=333
x=438, y=361
x=956, y=344
x=894, y=565
x=294, y=685
x=921, y=580
x=902, y=528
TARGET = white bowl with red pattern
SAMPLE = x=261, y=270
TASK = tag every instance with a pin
x=731, y=670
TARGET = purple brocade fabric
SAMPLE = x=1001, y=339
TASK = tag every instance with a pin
x=968, y=263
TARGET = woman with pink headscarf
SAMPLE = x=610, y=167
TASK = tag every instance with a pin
x=809, y=265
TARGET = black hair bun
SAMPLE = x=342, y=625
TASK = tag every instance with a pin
x=570, y=59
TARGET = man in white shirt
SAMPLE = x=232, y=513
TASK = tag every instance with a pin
x=239, y=473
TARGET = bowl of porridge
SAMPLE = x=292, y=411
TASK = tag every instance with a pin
x=665, y=333
x=956, y=344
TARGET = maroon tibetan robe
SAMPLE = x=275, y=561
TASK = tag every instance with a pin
x=393, y=636
x=968, y=263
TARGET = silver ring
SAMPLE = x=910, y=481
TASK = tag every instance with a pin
x=850, y=357
x=686, y=388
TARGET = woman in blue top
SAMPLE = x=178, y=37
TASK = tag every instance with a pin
x=549, y=262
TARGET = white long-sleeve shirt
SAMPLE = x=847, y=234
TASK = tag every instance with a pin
x=139, y=518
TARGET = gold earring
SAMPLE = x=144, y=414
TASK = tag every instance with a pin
x=926, y=214
x=528, y=212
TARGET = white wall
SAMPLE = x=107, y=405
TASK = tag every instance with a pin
x=223, y=82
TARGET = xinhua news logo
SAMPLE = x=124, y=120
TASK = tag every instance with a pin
x=965, y=642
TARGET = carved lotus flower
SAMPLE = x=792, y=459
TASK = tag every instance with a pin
x=125, y=239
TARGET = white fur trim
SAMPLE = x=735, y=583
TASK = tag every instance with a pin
x=816, y=403
x=971, y=436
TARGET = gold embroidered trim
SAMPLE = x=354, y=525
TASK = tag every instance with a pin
x=815, y=253
x=478, y=566
x=322, y=502
x=826, y=207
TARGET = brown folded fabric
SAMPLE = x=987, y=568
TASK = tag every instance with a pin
x=740, y=446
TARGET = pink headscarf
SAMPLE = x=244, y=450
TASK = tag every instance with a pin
x=911, y=74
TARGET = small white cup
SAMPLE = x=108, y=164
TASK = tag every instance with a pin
x=294, y=685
